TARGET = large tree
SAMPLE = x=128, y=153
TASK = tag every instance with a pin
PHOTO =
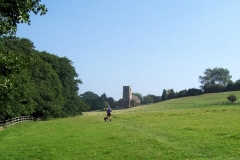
x=182, y=93
x=170, y=94
x=93, y=100
x=15, y=83
x=147, y=100
x=69, y=80
x=111, y=102
x=230, y=86
x=216, y=76
x=48, y=91
x=36, y=83
x=13, y=12
x=16, y=90
x=194, y=92
x=237, y=85
x=155, y=98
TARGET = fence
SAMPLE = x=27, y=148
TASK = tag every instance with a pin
x=12, y=121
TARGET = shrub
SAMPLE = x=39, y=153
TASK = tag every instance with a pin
x=232, y=98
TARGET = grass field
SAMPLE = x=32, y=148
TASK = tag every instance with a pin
x=186, y=128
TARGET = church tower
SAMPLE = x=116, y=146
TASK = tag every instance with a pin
x=127, y=96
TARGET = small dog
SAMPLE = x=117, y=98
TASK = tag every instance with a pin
x=105, y=119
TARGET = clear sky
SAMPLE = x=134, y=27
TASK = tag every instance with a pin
x=150, y=45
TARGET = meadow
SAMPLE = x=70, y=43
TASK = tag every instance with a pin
x=185, y=128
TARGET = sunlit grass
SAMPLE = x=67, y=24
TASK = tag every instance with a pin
x=193, y=102
x=210, y=132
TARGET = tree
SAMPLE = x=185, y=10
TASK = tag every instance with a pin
x=155, y=98
x=164, y=95
x=111, y=102
x=213, y=88
x=230, y=86
x=147, y=100
x=119, y=103
x=69, y=80
x=194, y=92
x=93, y=100
x=139, y=95
x=133, y=103
x=232, y=98
x=182, y=93
x=36, y=83
x=66, y=74
x=170, y=94
x=219, y=76
x=237, y=85
x=16, y=90
x=14, y=12
x=104, y=96
x=14, y=95
x=48, y=91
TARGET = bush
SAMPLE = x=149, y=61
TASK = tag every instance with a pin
x=232, y=98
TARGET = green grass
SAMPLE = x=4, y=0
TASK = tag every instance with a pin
x=210, y=132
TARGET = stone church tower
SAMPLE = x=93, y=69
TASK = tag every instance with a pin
x=127, y=96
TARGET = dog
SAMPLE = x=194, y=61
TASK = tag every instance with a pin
x=105, y=119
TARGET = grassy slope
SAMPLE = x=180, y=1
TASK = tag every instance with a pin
x=199, y=133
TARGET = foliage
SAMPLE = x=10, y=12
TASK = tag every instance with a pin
x=155, y=98
x=36, y=83
x=104, y=96
x=93, y=100
x=139, y=95
x=18, y=11
x=182, y=93
x=133, y=103
x=214, y=79
x=119, y=103
x=230, y=86
x=97, y=103
x=148, y=100
x=201, y=102
x=15, y=86
x=110, y=101
x=48, y=88
x=164, y=95
x=213, y=88
x=194, y=92
x=170, y=94
x=69, y=79
x=237, y=85
x=32, y=82
x=232, y=98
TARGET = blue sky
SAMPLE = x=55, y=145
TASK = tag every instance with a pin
x=150, y=45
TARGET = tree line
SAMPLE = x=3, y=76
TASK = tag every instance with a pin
x=96, y=102
x=36, y=83
x=213, y=81
x=32, y=82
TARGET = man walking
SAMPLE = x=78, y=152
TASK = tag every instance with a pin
x=109, y=111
